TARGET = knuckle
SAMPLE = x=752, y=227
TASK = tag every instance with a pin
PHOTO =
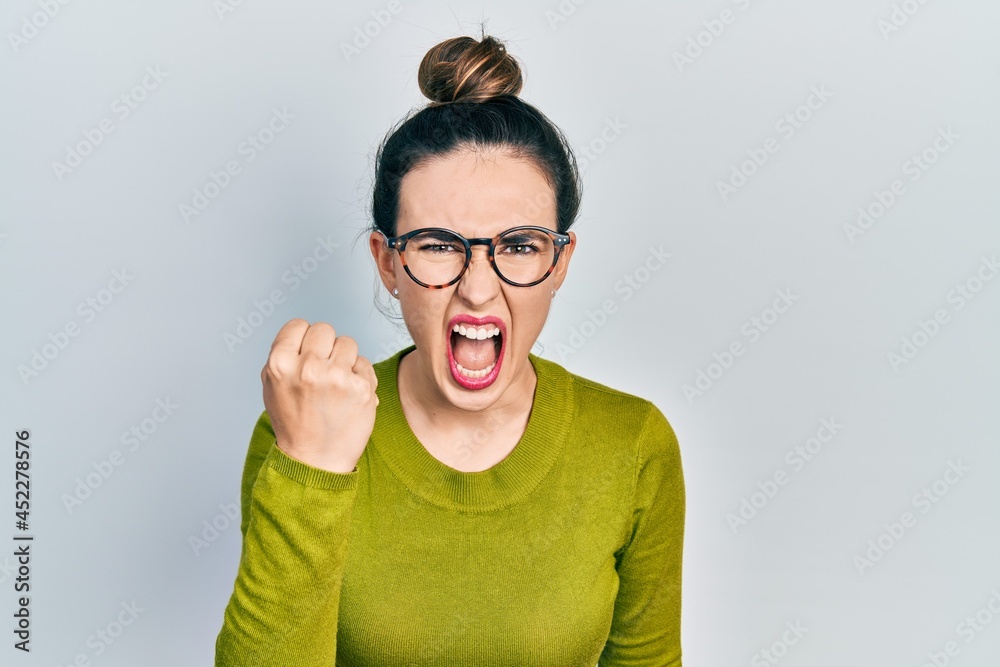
x=277, y=366
x=362, y=388
x=326, y=326
x=296, y=324
x=315, y=373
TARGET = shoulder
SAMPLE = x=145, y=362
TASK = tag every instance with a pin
x=635, y=428
x=627, y=415
x=383, y=365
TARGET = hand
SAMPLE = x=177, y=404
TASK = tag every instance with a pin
x=320, y=395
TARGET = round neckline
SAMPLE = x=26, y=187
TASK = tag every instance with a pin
x=503, y=484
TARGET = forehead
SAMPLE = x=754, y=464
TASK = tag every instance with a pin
x=477, y=193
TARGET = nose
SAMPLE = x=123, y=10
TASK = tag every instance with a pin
x=480, y=283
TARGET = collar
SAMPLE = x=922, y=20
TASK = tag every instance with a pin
x=504, y=484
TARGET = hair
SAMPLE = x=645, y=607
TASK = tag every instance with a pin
x=473, y=87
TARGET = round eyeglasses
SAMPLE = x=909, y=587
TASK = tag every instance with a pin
x=435, y=257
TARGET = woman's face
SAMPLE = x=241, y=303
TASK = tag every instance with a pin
x=476, y=194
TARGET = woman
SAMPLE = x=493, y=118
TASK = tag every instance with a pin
x=495, y=509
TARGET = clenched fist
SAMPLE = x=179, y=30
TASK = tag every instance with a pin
x=320, y=395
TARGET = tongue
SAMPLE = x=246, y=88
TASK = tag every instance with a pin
x=474, y=355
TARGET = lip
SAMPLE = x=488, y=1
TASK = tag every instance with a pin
x=483, y=382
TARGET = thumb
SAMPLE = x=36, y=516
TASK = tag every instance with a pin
x=364, y=369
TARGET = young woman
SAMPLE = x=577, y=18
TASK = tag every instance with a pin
x=495, y=509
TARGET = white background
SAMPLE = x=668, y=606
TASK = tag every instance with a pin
x=682, y=128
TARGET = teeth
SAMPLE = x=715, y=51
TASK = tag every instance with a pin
x=476, y=334
x=475, y=374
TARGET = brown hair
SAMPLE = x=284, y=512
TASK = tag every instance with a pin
x=462, y=69
x=473, y=86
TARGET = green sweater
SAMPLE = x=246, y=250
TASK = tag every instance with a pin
x=567, y=552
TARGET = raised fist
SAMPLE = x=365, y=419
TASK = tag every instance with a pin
x=320, y=395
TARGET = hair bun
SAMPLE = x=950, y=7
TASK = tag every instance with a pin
x=462, y=69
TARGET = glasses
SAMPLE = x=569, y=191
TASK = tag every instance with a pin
x=435, y=257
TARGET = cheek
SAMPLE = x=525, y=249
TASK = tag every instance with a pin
x=423, y=317
x=529, y=315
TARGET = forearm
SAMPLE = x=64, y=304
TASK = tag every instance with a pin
x=284, y=606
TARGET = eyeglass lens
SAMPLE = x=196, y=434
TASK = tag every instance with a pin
x=437, y=257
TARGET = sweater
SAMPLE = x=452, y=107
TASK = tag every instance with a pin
x=567, y=552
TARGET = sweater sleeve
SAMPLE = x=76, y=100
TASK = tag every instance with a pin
x=295, y=522
x=646, y=624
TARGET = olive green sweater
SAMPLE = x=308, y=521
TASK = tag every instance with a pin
x=567, y=552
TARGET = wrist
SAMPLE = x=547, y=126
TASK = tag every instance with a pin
x=328, y=461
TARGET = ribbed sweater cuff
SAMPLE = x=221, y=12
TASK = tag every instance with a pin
x=308, y=475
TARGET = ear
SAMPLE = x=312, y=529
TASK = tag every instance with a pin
x=383, y=259
x=559, y=274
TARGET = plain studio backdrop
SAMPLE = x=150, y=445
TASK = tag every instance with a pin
x=788, y=242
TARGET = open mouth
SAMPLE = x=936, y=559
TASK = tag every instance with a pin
x=475, y=359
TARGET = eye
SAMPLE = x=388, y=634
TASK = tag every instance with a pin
x=437, y=242
x=524, y=243
x=521, y=249
x=437, y=248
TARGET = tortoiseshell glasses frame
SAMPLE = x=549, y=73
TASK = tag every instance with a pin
x=398, y=243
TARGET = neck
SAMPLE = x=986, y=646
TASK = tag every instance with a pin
x=424, y=403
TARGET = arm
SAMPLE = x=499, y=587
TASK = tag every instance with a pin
x=646, y=625
x=295, y=522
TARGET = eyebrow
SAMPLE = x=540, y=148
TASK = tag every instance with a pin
x=439, y=236
x=519, y=237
